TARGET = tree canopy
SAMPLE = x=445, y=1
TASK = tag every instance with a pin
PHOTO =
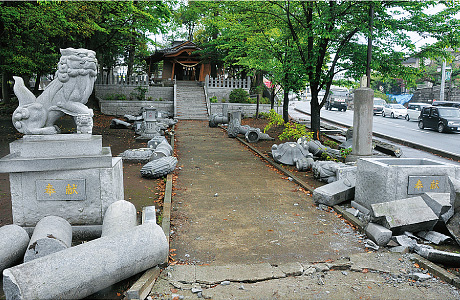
x=309, y=42
x=31, y=33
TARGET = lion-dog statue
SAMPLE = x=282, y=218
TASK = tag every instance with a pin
x=66, y=94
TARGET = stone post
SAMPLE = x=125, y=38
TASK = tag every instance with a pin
x=362, y=123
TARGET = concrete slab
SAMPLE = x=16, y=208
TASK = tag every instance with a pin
x=237, y=272
x=410, y=214
x=291, y=269
x=182, y=273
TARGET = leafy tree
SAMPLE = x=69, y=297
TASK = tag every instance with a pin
x=312, y=41
x=31, y=33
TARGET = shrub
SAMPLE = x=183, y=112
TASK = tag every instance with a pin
x=138, y=93
x=213, y=99
x=331, y=144
x=274, y=119
x=293, y=130
x=115, y=97
x=345, y=152
x=239, y=96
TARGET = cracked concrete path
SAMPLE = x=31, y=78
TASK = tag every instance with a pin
x=244, y=231
x=361, y=276
x=231, y=207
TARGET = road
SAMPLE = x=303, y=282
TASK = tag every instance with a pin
x=397, y=128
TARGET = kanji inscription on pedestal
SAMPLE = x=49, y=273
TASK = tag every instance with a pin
x=61, y=189
x=427, y=184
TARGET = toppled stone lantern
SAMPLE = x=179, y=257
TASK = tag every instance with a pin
x=66, y=175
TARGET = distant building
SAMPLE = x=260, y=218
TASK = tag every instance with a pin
x=180, y=61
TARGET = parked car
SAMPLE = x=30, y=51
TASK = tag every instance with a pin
x=378, y=106
x=394, y=110
x=336, y=102
x=413, y=111
x=440, y=118
x=446, y=103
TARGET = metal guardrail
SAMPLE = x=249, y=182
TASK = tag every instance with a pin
x=442, y=153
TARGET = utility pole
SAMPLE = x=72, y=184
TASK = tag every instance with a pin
x=369, y=44
x=443, y=80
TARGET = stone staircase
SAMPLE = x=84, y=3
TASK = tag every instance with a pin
x=190, y=101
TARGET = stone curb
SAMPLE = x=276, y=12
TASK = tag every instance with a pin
x=142, y=287
x=439, y=152
x=437, y=270
x=166, y=221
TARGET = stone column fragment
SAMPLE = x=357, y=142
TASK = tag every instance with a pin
x=80, y=271
x=51, y=234
x=119, y=217
x=13, y=243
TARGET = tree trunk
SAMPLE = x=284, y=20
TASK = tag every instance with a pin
x=5, y=88
x=315, y=116
x=37, y=84
x=286, y=106
x=257, y=106
x=272, y=98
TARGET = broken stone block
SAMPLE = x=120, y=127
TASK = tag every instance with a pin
x=326, y=170
x=159, y=167
x=352, y=211
x=455, y=192
x=51, y=234
x=13, y=244
x=162, y=150
x=434, y=237
x=288, y=153
x=335, y=192
x=404, y=240
x=119, y=124
x=155, y=141
x=360, y=207
x=440, y=204
x=410, y=214
x=400, y=249
x=141, y=155
x=453, y=227
x=419, y=276
x=346, y=171
x=379, y=234
x=371, y=245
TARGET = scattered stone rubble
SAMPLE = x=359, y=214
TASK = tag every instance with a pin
x=157, y=157
x=391, y=222
x=94, y=265
x=251, y=134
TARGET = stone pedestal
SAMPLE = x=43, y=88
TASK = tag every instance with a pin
x=67, y=175
x=380, y=180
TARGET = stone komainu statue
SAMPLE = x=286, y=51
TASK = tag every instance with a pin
x=66, y=94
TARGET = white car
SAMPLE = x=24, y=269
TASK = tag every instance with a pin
x=413, y=111
x=394, y=110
